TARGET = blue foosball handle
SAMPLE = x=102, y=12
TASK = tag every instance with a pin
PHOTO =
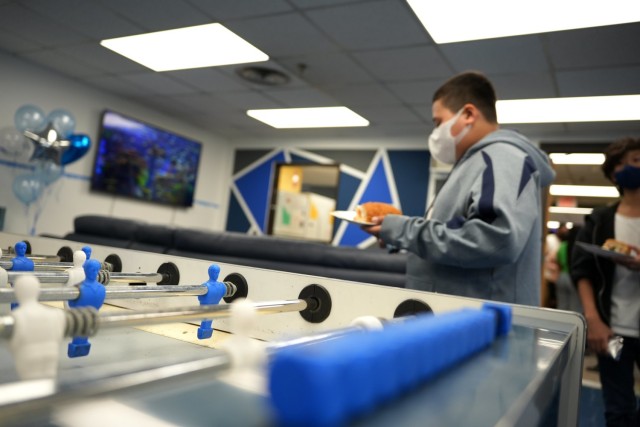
x=331, y=382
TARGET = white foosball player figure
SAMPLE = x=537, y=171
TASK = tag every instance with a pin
x=248, y=356
x=37, y=333
x=4, y=283
x=76, y=273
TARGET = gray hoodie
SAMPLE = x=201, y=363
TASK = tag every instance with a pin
x=484, y=236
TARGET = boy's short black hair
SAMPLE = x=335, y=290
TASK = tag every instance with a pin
x=615, y=152
x=469, y=87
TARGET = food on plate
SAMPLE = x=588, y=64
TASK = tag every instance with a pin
x=366, y=211
x=619, y=247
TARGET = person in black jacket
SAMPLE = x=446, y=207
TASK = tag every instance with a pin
x=609, y=288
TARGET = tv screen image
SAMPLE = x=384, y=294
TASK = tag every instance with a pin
x=135, y=159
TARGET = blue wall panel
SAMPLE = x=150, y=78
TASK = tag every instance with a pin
x=411, y=173
x=255, y=188
x=377, y=190
x=347, y=187
x=236, y=219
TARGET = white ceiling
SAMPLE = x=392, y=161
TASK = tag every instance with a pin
x=370, y=55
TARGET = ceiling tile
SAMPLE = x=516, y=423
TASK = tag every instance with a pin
x=416, y=92
x=332, y=68
x=102, y=58
x=248, y=100
x=524, y=86
x=398, y=114
x=234, y=9
x=595, y=47
x=26, y=23
x=377, y=24
x=412, y=63
x=319, y=3
x=16, y=43
x=116, y=86
x=506, y=55
x=356, y=95
x=208, y=80
x=424, y=111
x=157, y=83
x=61, y=63
x=157, y=15
x=282, y=35
x=90, y=18
x=599, y=82
x=301, y=98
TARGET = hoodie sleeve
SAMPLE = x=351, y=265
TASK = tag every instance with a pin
x=492, y=229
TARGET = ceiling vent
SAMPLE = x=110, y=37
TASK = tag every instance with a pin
x=263, y=76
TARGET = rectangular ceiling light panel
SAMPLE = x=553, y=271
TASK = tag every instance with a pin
x=584, y=191
x=570, y=210
x=183, y=48
x=567, y=110
x=295, y=118
x=467, y=20
x=577, y=158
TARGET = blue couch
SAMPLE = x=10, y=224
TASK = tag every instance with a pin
x=370, y=266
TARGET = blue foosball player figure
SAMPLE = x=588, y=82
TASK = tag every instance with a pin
x=216, y=290
x=87, y=251
x=21, y=263
x=92, y=294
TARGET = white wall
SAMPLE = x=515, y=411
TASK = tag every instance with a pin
x=23, y=83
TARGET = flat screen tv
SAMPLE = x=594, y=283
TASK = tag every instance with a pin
x=135, y=159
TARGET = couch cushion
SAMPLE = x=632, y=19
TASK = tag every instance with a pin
x=103, y=230
x=247, y=246
x=153, y=238
x=364, y=276
x=358, y=259
x=106, y=226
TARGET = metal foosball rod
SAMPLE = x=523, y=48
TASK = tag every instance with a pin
x=7, y=256
x=47, y=265
x=104, y=276
x=86, y=321
x=67, y=293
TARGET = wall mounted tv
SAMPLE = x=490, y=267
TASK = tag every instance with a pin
x=135, y=159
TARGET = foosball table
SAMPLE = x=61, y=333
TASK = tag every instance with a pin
x=110, y=336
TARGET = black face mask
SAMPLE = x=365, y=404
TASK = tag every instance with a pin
x=628, y=177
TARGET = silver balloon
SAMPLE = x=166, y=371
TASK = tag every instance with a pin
x=47, y=145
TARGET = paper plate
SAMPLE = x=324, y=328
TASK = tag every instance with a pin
x=350, y=217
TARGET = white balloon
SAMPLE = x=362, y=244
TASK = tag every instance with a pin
x=12, y=142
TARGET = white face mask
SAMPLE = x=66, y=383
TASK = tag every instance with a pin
x=442, y=145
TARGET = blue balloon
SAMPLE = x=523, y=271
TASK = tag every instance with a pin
x=62, y=121
x=30, y=117
x=47, y=171
x=79, y=145
x=28, y=188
